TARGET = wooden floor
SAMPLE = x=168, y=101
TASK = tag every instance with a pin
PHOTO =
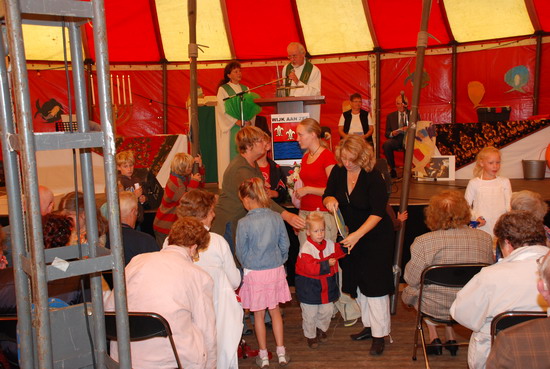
x=341, y=352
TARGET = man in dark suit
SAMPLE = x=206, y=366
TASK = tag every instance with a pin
x=396, y=126
x=134, y=242
x=526, y=345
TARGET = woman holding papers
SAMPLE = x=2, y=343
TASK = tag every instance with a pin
x=359, y=192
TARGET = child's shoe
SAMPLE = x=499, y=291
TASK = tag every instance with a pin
x=312, y=343
x=262, y=362
x=321, y=336
x=284, y=359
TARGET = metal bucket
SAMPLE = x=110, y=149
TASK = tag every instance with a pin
x=533, y=169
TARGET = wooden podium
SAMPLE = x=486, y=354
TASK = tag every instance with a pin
x=291, y=104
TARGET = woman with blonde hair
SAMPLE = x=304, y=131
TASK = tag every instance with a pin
x=450, y=241
x=358, y=190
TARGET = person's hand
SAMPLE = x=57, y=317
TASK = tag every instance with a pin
x=331, y=204
x=3, y=261
x=196, y=177
x=351, y=240
x=294, y=220
x=272, y=193
x=247, y=123
x=292, y=76
x=198, y=159
x=138, y=192
x=404, y=128
x=239, y=123
x=301, y=192
x=331, y=261
x=403, y=217
x=481, y=221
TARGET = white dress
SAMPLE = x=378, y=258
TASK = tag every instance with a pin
x=510, y=284
x=489, y=199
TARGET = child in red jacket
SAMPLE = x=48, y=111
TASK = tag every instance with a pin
x=316, y=280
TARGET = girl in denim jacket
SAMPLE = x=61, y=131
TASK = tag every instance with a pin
x=262, y=249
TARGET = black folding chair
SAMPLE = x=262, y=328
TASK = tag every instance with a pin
x=142, y=327
x=445, y=275
x=511, y=318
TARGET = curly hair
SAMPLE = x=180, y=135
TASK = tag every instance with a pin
x=57, y=229
x=314, y=217
x=447, y=210
x=529, y=201
x=227, y=70
x=125, y=157
x=254, y=189
x=520, y=228
x=189, y=231
x=361, y=152
x=196, y=203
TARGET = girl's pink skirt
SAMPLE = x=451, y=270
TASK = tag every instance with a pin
x=263, y=289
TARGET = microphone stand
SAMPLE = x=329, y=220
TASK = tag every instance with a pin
x=240, y=95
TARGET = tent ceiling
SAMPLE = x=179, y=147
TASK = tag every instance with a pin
x=148, y=31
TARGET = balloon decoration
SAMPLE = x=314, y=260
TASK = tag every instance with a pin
x=516, y=78
x=476, y=91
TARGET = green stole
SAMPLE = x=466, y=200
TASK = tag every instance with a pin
x=234, y=129
x=304, y=77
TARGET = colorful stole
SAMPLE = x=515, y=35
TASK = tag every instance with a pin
x=304, y=77
x=233, y=131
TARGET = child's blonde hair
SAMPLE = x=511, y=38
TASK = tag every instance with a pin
x=254, y=189
x=314, y=217
x=182, y=164
x=486, y=151
x=125, y=157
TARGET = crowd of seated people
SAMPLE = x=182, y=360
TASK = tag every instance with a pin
x=191, y=280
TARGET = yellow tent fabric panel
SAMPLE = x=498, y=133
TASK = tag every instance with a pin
x=174, y=29
x=45, y=43
x=473, y=20
x=334, y=27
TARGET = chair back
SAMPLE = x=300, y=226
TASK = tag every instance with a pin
x=508, y=319
x=450, y=275
x=142, y=327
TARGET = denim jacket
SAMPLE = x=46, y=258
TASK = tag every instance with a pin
x=262, y=241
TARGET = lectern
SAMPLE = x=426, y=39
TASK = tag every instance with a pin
x=292, y=104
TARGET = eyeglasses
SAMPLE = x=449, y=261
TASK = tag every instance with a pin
x=293, y=56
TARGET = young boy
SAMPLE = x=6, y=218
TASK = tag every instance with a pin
x=316, y=280
x=130, y=181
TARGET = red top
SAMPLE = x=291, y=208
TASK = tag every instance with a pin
x=315, y=175
x=265, y=172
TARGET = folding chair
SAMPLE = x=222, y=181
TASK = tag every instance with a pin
x=511, y=318
x=142, y=327
x=445, y=275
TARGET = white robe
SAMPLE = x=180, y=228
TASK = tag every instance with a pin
x=489, y=199
x=511, y=284
x=313, y=88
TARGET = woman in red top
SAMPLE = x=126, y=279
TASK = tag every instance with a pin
x=317, y=163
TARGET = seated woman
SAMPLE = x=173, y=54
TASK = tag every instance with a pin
x=217, y=260
x=450, y=241
x=168, y=283
x=532, y=202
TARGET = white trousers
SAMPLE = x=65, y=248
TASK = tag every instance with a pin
x=375, y=313
x=316, y=316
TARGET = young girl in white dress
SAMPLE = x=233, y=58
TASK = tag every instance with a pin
x=488, y=194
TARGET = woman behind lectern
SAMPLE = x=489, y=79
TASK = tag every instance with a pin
x=227, y=126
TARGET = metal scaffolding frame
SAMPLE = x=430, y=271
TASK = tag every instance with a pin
x=48, y=337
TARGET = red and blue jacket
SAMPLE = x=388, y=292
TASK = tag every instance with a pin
x=316, y=281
